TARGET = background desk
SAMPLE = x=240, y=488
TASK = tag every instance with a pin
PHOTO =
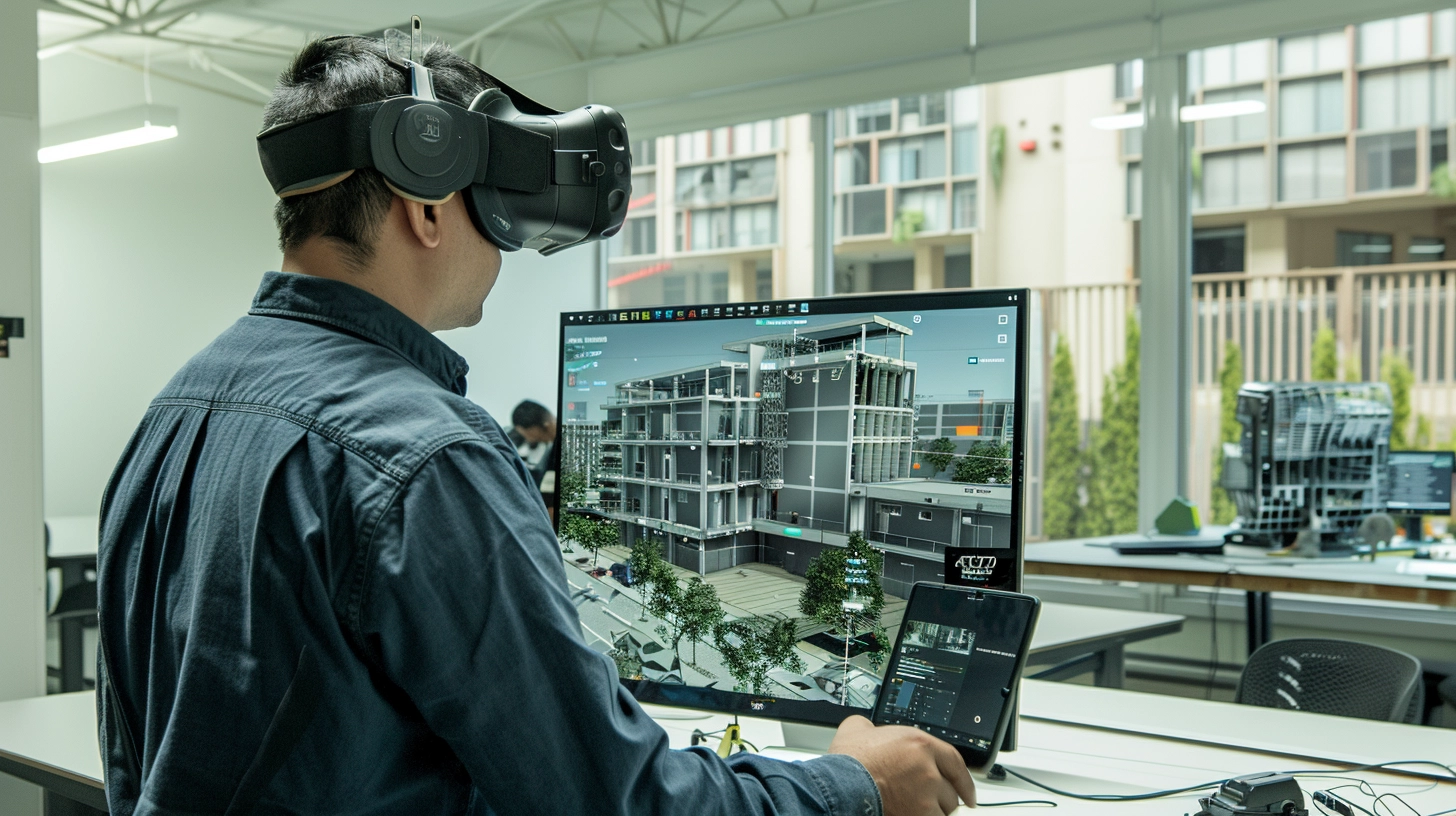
x=1241, y=568
x=1075, y=639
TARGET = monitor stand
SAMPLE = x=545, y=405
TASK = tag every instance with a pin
x=810, y=738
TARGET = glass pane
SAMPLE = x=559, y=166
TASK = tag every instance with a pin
x=1376, y=42
x=702, y=184
x=1312, y=172
x=1252, y=178
x=1218, y=65
x=910, y=118
x=1331, y=102
x=862, y=213
x=1385, y=161
x=963, y=206
x=644, y=190
x=1218, y=250
x=1134, y=192
x=754, y=178
x=1443, y=38
x=720, y=142
x=1363, y=248
x=935, y=109
x=1426, y=249
x=1251, y=61
x=1129, y=79
x=1331, y=161
x=1297, y=55
x=1332, y=51
x=638, y=237
x=1411, y=39
x=1377, y=100
x=755, y=225
x=1132, y=138
x=929, y=202
x=1298, y=111
x=852, y=165
x=1235, y=129
x=1413, y=100
x=1218, y=132
x=966, y=105
x=966, y=149
x=869, y=118
x=912, y=159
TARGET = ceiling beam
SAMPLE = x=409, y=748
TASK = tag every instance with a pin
x=127, y=24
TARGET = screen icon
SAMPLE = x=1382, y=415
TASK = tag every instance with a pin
x=973, y=360
x=612, y=318
x=1003, y=319
x=793, y=307
x=693, y=314
x=657, y=314
x=624, y=315
x=680, y=315
x=803, y=308
x=1001, y=338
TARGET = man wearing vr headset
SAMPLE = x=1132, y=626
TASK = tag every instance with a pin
x=327, y=582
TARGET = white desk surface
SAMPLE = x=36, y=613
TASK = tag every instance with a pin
x=1063, y=625
x=72, y=536
x=1079, y=738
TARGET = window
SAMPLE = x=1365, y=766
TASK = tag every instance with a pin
x=957, y=276
x=922, y=111
x=644, y=153
x=965, y=150
x=1230, y=130
x=852, y=165
x=1132, y=138
x=911, y=159
x=699, y=230
x=702, y=184
x=1234, y=179
x=1310, y=172
x=1362, y=248
x=1385, y=161
x=1135, y=190
x=928, y=201
x=638, y=237
x=1443, y=37
x=1426, y=249
x=892, y=276
x=890, y=509
x=754, y=178
x=762, y=284
x=862, y=213
x=1311, y=106
x=965, y=106
x=858, y=120
x=1405, y=97
x=1393, y=40
x=926, y=515
x=1218, y=250
x=1438, y=147
x=1312, y=53
x=1232, y=64
x=963, y=206
x=755, y=225
x=755, y=137
x=1129, y=79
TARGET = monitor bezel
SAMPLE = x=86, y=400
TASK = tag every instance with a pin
x=818, y=712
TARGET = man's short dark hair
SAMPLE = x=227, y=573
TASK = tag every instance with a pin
x=334, y=73
x=530, y=414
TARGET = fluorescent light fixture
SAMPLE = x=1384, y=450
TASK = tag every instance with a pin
x=1426, y=249
x=1188, y=113
x=1371, y=249
x=111, y=131
x=1221, y=110
x=1121, y=121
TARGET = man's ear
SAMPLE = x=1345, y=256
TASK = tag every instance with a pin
x=424, y=221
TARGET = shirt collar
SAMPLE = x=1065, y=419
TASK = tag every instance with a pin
x=337, y=304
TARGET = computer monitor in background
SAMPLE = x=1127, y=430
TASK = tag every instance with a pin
x=789, y=460
x=1420, y=485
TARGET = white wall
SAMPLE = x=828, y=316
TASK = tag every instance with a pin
x=151, y=252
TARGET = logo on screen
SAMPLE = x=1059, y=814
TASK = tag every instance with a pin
x=976, y=566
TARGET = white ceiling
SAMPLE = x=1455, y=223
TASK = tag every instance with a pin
x=675, y=64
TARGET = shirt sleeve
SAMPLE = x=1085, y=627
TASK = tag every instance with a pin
x=467, y=602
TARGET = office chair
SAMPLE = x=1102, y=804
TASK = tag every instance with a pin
x=1445, y=714
x=1340, y=677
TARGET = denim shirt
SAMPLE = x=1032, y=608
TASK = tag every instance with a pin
x=329, y=586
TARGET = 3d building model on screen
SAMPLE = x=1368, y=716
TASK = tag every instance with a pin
x=1311, y=457
x=775, y=492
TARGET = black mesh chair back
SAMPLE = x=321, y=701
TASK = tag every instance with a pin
x=1339, y=677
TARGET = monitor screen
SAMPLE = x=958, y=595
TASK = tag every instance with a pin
x=1420, y=482
x=748, y=492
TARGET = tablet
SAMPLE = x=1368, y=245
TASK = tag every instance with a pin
x=956, y=664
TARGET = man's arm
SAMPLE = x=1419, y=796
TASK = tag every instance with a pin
x=467, y=602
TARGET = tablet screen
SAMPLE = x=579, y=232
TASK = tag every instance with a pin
x=957, y=650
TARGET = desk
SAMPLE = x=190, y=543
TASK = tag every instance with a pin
x=71, y=547
x=1078, y=738
x=1073, y=639
x=1240, y=568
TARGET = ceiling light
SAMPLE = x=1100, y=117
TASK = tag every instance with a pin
x=1188, y=113
x=1220, y=110
x=111, y=131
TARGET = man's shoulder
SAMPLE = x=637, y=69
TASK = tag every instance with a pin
x=344, y=387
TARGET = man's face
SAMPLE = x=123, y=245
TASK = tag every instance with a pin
x=540, y=433
x=471, y=265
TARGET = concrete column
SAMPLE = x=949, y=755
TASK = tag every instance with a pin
x=742, y=279
x=1267, y=245
x=22, y=540
x=821, y=135
x=930, y=266
x=1165, y=401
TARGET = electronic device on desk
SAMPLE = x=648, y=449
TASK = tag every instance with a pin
x=956, y=667
x=852, y=441
x=1261, y=793
x=1420, y=485
x=1178, y=531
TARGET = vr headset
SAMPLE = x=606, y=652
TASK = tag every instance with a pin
x=532, y=177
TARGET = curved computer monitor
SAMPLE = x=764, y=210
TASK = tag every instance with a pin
x=794, y=455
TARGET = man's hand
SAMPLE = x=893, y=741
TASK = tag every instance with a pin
x=918, y=775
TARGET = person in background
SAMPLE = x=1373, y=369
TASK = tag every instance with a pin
x=534, y=435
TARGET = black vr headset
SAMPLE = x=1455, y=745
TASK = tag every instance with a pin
x=531, y=176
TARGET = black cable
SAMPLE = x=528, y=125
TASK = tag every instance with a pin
x=1047, y=802
x=1403, y=803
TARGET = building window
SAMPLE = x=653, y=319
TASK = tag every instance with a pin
x=762, y=283
x=922, y=111
x=1311, y=106
x=928, y=201
x=926, y=515
x=1393, y=40
x=1230, y=64
x=1363, y=248
x=754, y=178
x=963, y=206
x=1229, y=130
x=1443, y=35
x=912, y=159
x=1439, y=137
x=1310, y=172
x=862, y=213
x=859, y=120
x=957, y=276
x=1218, y=250
x=1426, y=249
x=1132, y=138
x=644, y=153
x=1385, y=161
x=890, y=509
x=1129, y=80
x=755, y=225
x=1312, y=53
x=1405, y=97
x=892, y=276
x=1135, y=190
x=699, y=230
x=638, y=237
x=965, y=150
x=1234, y=179
x=852, y=165
x=717, y=183
x=755, y=137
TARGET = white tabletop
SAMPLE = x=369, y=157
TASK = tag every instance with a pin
x=72, y=536
x=1062, y=626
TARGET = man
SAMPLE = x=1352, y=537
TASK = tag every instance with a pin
x=533, y=432
x=328, y=586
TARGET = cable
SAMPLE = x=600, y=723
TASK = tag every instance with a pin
x=1046, y=802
